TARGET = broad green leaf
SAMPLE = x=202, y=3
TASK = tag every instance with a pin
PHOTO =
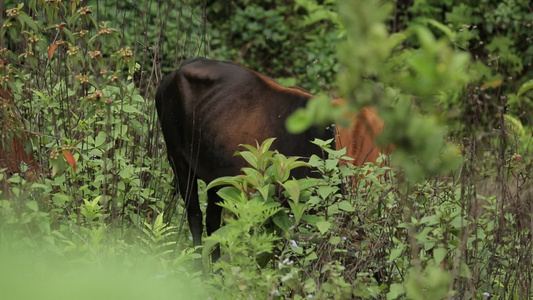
x=439, y=254
x=426, y=38
x=36, y=185
x=445, y=29
x=465, y=270
x=137, y=98
x=250, y=148
x=458, y=222
x=395, y=253
x=311, y=256
x=298, y=122
x=430, y=220
x=25, y=19
x=250, y=158
x=335, y=240
x=60, y=199
x=311, y=219
x=69, y=35
x=527, y=86
x=395, y=291
x=333, y=209
x=293, y=188
x=281, y=219
x=331, y=164
x=130, y=109
x=323, y=226
x=158, y=221
x=226, y=180
x=515, y=125
x=100, y=139
x=208, y=247
x=253, y=174
x=265, y=146
x=298, y=209
x=230, y=194
x=126, y=172
x=325, y=191
x=264, y=191
x=32, y=205
x=346, y=206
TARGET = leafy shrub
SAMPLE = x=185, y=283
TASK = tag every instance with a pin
x=267, y=37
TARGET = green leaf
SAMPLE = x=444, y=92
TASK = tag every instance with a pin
x=69, y=35
x=527, y=86
x=24, y=18
x=32, y=205
x=208, y=247
x=465, y=270
x=346, y=206
x=430, y=220
x=331, y=164
x=250, y=148
x=311, y=256
x=36, y=185
x=127, y=172
x=60, y=199
x=426, y=38
x=100, y=139
x=311, y=219
x=439, y=254
x=230, y=194
x=298, y=122
x=265, y=146
x=395, y=253
x=445, y=29
x=298, y=209
x=293, y=188
x=250, y=158
x=334, y=240
x=130, y=109
x=323, y=226
x=515, y=125
x=137, y=98
x=226, y=180
x=282, y=220
x=158, y=221
x=458, y=222
x=307, y=183
x=264, y=191
x=395, y=291
x=325, y=191
x=253, y=176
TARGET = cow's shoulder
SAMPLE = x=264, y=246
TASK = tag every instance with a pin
x=206, y=70
x=202, y=70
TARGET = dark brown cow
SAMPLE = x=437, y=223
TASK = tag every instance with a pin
x=207, y=108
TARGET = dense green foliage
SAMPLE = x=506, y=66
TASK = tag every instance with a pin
x=449, y=217
x=259, y=35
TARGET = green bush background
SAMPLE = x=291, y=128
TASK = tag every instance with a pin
x=452, y=80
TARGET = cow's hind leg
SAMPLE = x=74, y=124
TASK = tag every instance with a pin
x=213, y=218
x=194, y=214
x=187, y=185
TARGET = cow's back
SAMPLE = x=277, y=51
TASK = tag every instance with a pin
x=207, y=108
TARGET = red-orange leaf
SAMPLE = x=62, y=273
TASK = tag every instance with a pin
x=70, y=159
x=51, y=50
